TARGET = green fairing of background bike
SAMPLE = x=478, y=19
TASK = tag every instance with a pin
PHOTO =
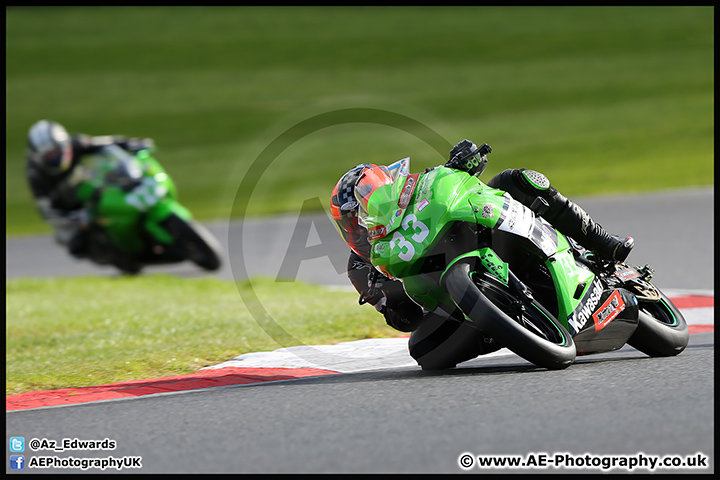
x=118, y=211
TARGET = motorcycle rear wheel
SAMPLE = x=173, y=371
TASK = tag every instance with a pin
x=199, y=245
x=528, y=330
x=662, y=330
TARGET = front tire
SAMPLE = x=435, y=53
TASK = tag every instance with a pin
x=528, y=330
x=198, y=244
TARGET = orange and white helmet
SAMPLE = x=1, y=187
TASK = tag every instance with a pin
x=350, y=196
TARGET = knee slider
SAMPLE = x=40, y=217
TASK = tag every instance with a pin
x=532, y=182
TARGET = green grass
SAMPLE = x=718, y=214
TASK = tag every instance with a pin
x=600, y=99
x=57, y=335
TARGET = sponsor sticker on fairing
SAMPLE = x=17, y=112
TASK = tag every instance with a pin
x=518, y=220
x=407, y=191
x=609, y=310
x=487, y=211
x=626, y=274
x=376, y=233
x=583, y=312
x=545, y=237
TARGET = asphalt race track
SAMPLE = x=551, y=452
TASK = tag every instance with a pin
x=673, y=233
x=620, y=407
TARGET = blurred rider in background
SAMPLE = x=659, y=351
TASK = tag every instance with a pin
x=52, y=158
x=388, y=295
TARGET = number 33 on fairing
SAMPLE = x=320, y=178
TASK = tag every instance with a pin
x=419, y=231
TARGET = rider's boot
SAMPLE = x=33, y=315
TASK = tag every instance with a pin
x=529, y=186
x=573, y=221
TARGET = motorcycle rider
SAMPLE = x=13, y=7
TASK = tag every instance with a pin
x=52, y=158
x=388, y=295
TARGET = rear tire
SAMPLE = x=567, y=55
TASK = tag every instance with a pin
x=662, y=330
x=530, y=330
x=196, y=241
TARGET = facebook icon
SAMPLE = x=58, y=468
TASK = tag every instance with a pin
x=17, y=462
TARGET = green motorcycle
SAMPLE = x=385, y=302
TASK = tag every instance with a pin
x=135, y=218
x=499, y=275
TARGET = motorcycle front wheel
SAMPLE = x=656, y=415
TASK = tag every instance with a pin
x=529, y=330
x=198, y=244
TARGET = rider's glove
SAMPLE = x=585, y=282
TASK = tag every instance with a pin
x=466, y=156
x=374, y=294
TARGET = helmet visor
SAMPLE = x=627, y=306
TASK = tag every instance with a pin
x=354, y=235
x=54, y=161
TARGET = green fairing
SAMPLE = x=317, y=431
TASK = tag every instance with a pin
x=118, y=219
x=121, y=212
x=567, y=275
x=443, y=197
x=160, y=212
x=493, y=264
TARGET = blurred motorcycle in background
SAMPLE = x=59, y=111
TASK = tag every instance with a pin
x=134, y=216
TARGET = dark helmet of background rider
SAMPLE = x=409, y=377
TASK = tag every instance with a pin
x=344, y=209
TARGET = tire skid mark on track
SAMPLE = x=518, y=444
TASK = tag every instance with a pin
x=274, y=366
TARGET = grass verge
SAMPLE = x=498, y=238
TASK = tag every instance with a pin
x=90, y=331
